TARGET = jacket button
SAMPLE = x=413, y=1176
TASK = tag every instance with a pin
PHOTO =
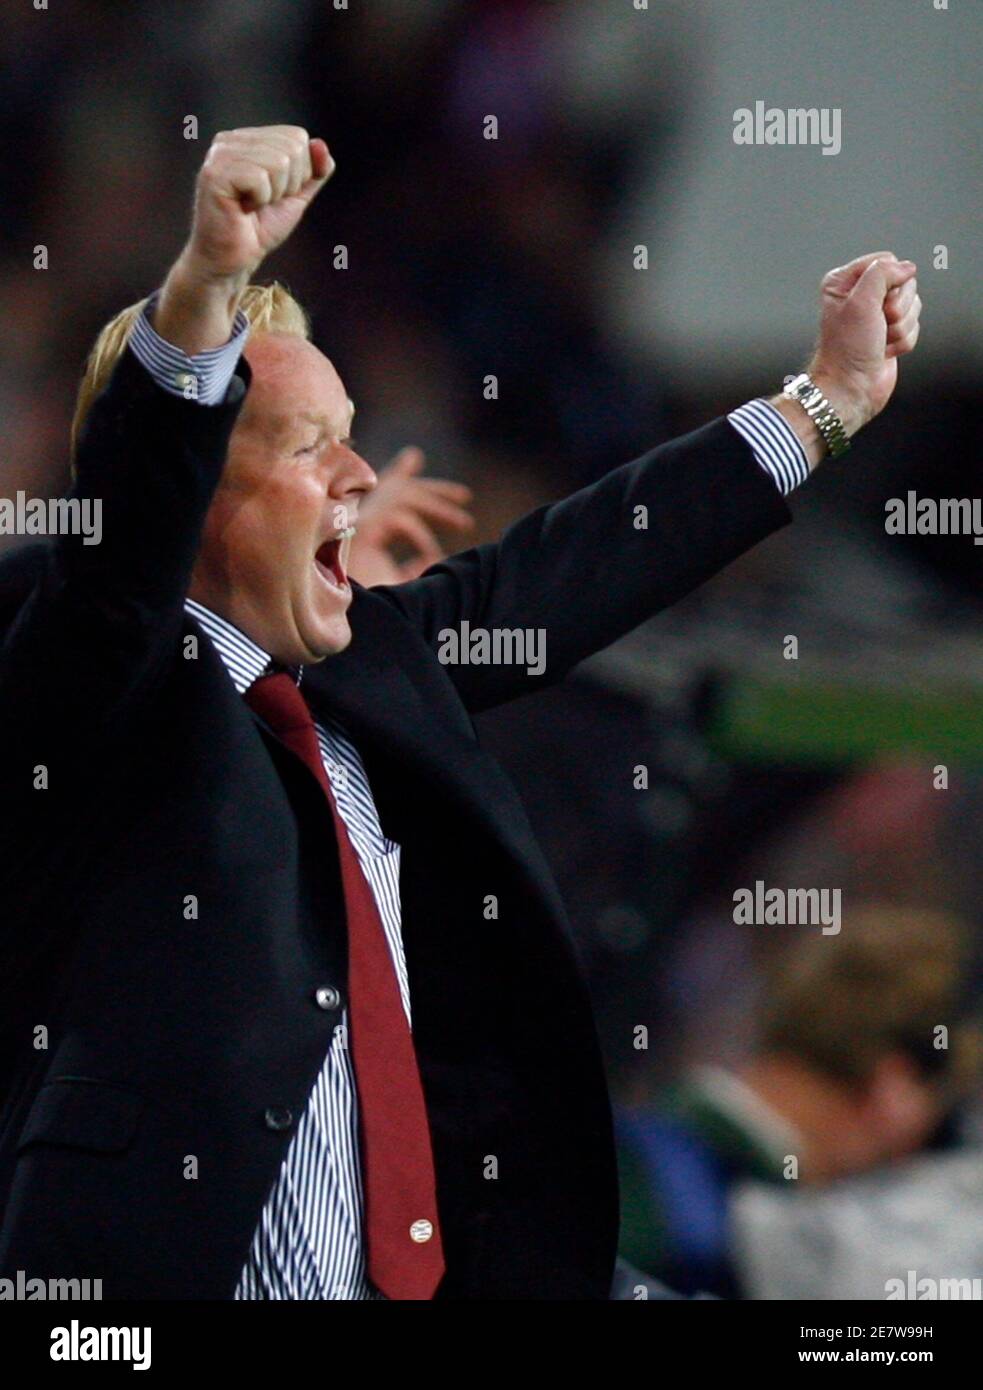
x=327, y=997
x=278, y=1117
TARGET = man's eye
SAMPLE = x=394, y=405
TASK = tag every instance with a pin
x=306, y=449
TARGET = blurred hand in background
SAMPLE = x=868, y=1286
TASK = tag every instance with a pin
x=403, y=524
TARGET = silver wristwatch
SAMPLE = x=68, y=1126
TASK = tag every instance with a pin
x=803, y=389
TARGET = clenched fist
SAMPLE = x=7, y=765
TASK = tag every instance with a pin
x=870, y=316
x=870, y=312
x=252, y=190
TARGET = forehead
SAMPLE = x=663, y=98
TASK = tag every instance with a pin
x=294, y=382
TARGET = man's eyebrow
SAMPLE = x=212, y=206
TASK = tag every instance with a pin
x=286, y=424
x=313, y=417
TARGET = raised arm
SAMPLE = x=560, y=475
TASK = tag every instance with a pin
x=573, y=577
x=98, y=623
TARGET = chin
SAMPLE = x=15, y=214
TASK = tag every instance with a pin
x=329, y=640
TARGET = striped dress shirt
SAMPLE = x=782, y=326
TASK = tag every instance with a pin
x=308, y=1244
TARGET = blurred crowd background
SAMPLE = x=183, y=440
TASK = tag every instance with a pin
x=517, y=257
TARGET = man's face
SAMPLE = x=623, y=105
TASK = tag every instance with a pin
x=272, y=559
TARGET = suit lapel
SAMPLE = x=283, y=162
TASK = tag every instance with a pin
x=394, y=717
x=409, y=731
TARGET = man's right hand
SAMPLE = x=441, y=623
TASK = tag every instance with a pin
x=252, y=191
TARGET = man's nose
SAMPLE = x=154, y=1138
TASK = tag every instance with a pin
x=368, y=475
x=354, y=476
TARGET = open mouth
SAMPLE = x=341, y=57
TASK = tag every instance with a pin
x=329, y=563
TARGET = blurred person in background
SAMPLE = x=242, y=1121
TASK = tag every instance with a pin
x=908, y=1230
x=850, y=1072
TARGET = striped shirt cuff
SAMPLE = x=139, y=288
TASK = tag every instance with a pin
x=203, y=378
x=775, y=445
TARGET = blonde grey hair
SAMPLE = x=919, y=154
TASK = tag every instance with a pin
x=269, y=309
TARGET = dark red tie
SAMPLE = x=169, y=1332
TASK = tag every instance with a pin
x=404, y=1252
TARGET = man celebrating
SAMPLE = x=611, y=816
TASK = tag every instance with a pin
x=293, y=1011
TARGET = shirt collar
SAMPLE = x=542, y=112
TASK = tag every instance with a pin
x=735, y=1098
x=243, y=658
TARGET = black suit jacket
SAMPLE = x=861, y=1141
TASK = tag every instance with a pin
x=170, y=896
